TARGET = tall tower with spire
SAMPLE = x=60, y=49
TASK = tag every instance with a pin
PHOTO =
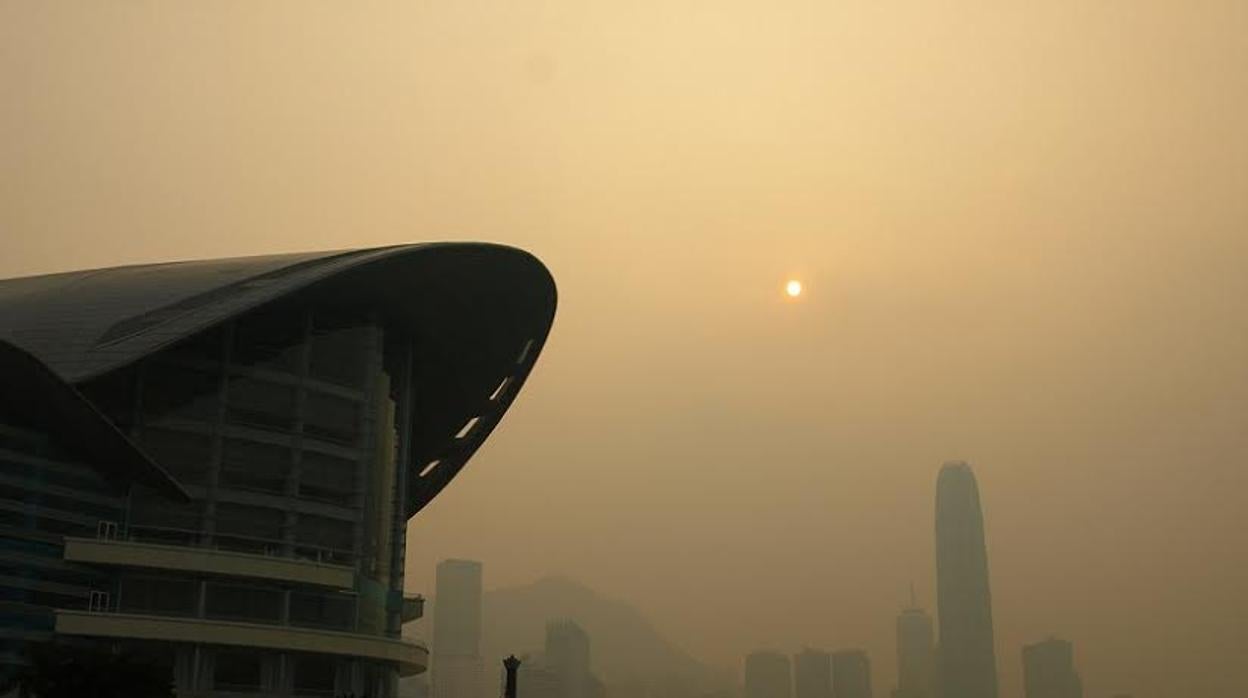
x=916, y=653
x=968, y=665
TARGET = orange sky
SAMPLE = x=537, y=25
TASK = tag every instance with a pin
x=1023, y=229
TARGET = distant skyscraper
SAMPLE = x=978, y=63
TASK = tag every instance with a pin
x=851, y=674
x=968, y=665
x=567, y=655
x=916, y=655
x=812, y=674
x=767, y=675
x=538, y=680
x=458, y=671
x=1049, y=670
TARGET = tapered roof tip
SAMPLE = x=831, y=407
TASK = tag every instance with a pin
x=481, y=312
x=85, y=323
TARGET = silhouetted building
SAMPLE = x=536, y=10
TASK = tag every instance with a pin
x=767, y=675
x=537, y=679
x=458, y=669
x=851, y=674
x=812, y=674
x=968, y=666
x=457, y=613
x=1049, y=670
x=212, y=464
x=567, y=654
x=916, y=655
x=562, y=669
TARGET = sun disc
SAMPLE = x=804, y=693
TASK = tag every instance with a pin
x=793, y=288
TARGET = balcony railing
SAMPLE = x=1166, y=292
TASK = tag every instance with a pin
x=157, y=553
x=234, y=542
x=411, y=657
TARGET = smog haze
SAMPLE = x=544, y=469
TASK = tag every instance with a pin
x=1020, y=229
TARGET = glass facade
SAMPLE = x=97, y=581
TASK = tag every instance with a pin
x=276, y=422
x=283, y=425
x=45, y=494
x=286, y=432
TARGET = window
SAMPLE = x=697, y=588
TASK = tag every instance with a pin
x=39, y=500
x=339, y=350
x=155, y=518
x=327, y=478
x=159, y=596
x=30, y=547
x=332, y=611
x=52, y=599
x=179, y=392
x=252, y=465
x=314, y=675
x=333, y=418
x=114, y=394
x=206, y=346
x=323, y=532
x=237, y=670
x=271, y=338
x=186, y=455
x=243, y=603
x=261, y=403
x=249, y=529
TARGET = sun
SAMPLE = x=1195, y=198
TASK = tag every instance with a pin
x=793, y=288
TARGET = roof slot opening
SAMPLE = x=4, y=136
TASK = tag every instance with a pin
x=467, y=428
x=524, y=353
x=498, y=392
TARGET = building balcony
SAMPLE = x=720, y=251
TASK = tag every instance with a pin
x=123, y=553
x=413, y=608
x=412, y=658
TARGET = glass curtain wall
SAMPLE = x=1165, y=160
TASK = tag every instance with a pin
x=284, y=426
x=45, y=493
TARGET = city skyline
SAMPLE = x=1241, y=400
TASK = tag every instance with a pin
x=921, y=669
x=1018, y=227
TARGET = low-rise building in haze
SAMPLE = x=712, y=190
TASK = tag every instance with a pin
x=916, y=654
x=812, y=674
x=536, y=679
x=562, y=669
x=1049, y=670
x=768, y=675
x=567, y=654
x=851, y=674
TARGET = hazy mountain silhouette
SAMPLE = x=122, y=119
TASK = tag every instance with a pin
x=628, y=653
x=626, y=649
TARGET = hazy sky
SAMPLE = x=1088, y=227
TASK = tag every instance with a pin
x=1023, y=227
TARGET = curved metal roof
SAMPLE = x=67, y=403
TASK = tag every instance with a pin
x=478, y=313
